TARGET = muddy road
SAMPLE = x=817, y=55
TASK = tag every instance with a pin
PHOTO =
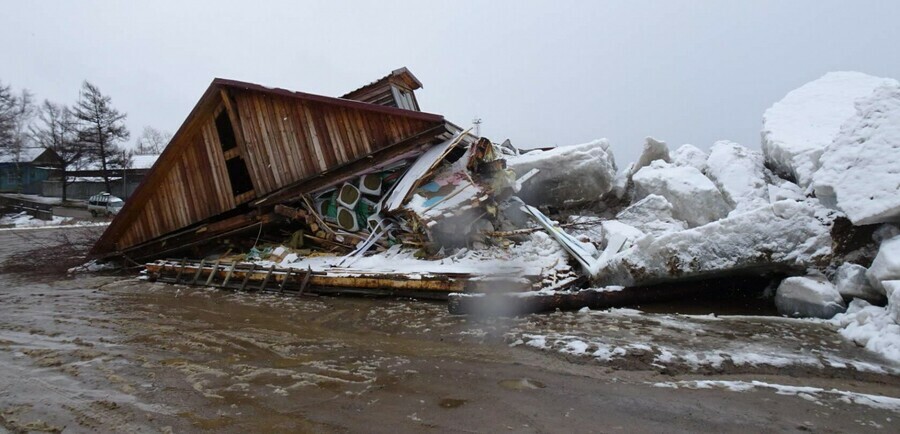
x=110, y=353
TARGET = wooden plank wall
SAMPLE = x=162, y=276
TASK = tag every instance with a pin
x=281, y=139
x=381, y=95
x=195, y=187
x=289, y=139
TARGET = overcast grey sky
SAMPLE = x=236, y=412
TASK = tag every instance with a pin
x=539, y=73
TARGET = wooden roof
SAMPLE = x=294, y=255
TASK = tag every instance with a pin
x=400, y=75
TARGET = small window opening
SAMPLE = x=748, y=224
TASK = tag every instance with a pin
x=239, y=176
x=225, y=130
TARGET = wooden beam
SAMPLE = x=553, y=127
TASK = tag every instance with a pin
x=291, y=213
x=212, y=274
x=233, y=117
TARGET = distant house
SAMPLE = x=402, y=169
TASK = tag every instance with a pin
x=88, y=181
x=25, y=171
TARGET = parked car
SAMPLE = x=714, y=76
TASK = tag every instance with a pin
x=104, y=204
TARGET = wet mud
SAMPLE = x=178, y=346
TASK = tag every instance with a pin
x=96, y=353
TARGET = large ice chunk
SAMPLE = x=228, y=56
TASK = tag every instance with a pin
x=653, y=215
x=568, y=175
x=886, y=265
x=653, y=150
x=694, y=198
x=797, y=129
x=690, y=155
x=808, y=297
x=860, y=170
x=851, y=281
x=787, y=234
x=894, y=304
x=740, y=175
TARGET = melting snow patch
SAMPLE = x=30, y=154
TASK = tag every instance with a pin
x=813, y=394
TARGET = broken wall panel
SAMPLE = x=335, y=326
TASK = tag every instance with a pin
x=287, y=141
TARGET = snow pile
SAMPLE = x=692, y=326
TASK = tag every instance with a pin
x=23, y=220
x=694, y=198
x=886, y=265
x=568, y=175
x=740, y=175
x=797, y=129
x=866, y=150
x=872, y=327
x=787, y=234
x=652, y=215
x=690, y=155
x=851, y=281
x=808, y=297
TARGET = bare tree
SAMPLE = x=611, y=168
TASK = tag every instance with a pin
x=16, y=111
x=102, y=129
x=152, y=141
x=57, y=129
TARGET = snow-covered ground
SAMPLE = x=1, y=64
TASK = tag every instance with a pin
x=700, y=343
x=22, y=220
x=814, y=394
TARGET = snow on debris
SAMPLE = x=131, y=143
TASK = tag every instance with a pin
x=539, y=255
x=797, y=129
x=865, y=150
x=567, y=175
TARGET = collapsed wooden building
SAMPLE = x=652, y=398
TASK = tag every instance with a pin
x=245, y=149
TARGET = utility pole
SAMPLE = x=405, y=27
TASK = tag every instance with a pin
x=477, y=123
